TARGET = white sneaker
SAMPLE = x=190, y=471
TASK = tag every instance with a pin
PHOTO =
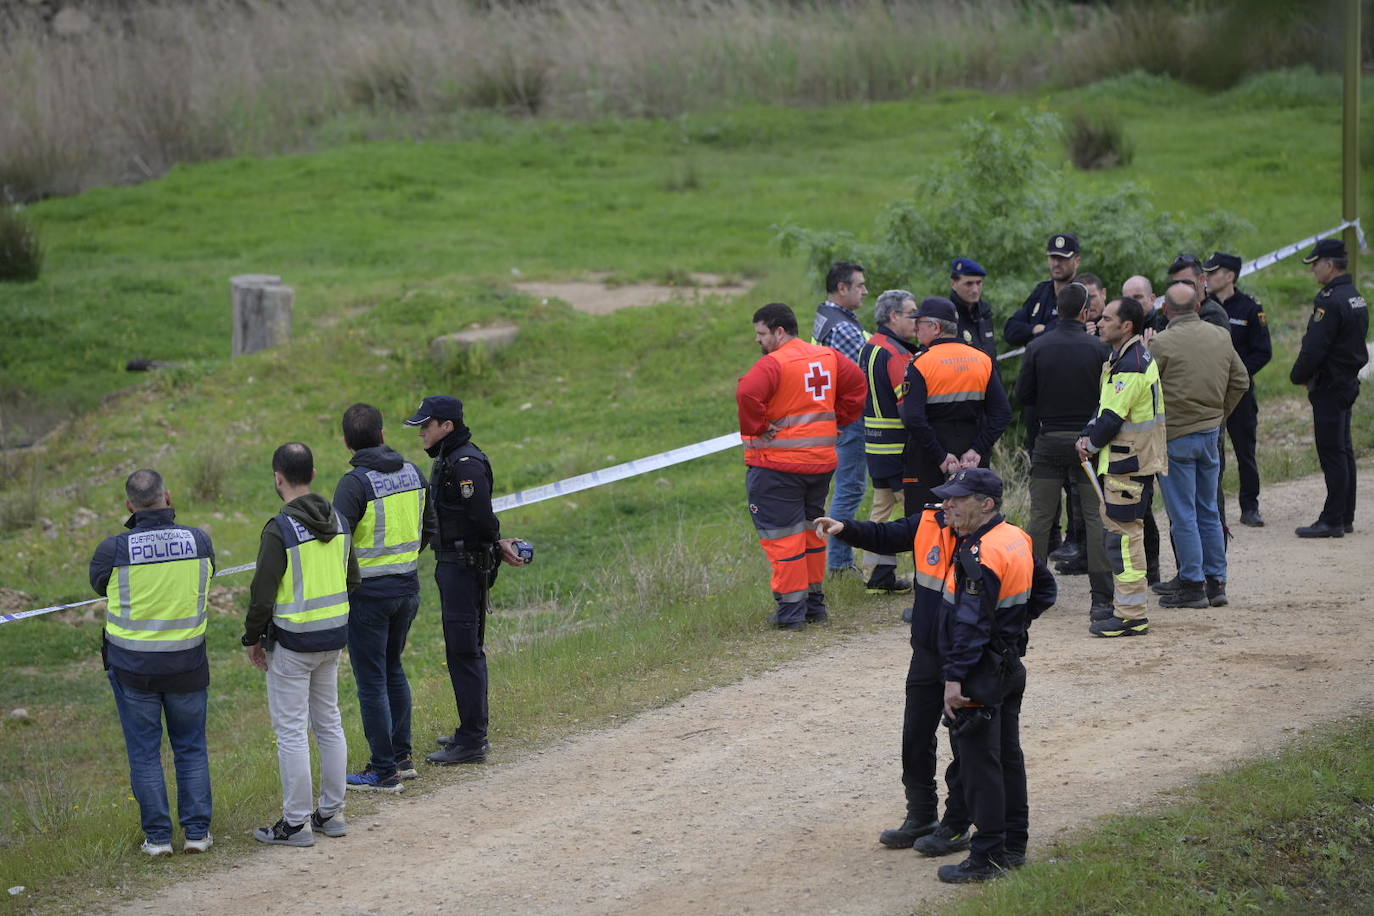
x=155, y=849
x=201, y=845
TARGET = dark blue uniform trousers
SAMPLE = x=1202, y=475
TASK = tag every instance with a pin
x=993, y=771
x=464, y=619
x=925, y=702
x=1331, y=410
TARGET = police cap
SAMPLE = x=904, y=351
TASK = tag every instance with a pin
x=1326, y=248
x=1220, y=259
x=970, y=481
x=967, y=267
x=437, y=407
x=937, y=307
x=1062, y=245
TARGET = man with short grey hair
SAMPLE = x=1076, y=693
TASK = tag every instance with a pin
x=884, y=360
x=1203, y=379
x=155, y=579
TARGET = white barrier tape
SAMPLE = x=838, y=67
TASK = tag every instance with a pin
x=698, y=449
x=618, y=472
x=1273, y=257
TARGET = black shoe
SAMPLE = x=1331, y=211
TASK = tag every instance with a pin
x=1348, y=527
x=1166, y=588
x=1016, y=858
x=456, y=753
x=972, y=870
x=1189, y=594
x=1066, y=551
x=1251, y=518
x=884, y=581
x=907, y=834
x=1078, y=566
x=788, y=625
x=1113, y=626
x=1322, y=530
x=942, y=842
x=1216, y=591
x=1101, y=612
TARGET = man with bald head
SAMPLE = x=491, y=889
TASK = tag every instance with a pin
x=1140, y=289
x=1203, y=379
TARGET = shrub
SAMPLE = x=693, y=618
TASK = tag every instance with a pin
x=206, y=473
x=1097, y=142
x=1001, y=201
x=21, y=253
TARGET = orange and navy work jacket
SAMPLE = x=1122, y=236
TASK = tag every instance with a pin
x=952, y=383
x=792, y=403
x=993, y=591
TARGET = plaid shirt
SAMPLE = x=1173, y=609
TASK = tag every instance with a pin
x=845, y=337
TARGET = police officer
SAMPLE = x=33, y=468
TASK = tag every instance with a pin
x=955, y=408
x=931, y=541
x=884, y=360
x=994, y=590
x=1250, y=337
x=1036, y=315
x=467, y=548
x=976, y=328
x=295, y=630
x=155, y=579
x=1333, y=351
x=383, y=501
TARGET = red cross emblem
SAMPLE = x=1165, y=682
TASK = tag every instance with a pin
x=817, y=381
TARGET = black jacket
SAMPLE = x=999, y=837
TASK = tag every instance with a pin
x=1333, y=347
x=351, y=498
x=1249, y=331
x=460, y=487
x=1061, y=375
x=976, y=327
x=1039, y=308
x=935, y=430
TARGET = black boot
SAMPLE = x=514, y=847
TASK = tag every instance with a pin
x=1189, y=594
x=1216, y=591
x=907, y=834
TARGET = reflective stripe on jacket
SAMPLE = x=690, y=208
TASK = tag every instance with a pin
x=387, y=537
x=884, y=360
x=1129, y=427
x=932, y=553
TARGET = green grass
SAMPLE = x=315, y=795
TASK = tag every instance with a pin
x=389, y=244
x=1289, y=834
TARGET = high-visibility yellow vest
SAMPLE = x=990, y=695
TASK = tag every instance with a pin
x=387, y=538
x=155, y=599
x=313, y=594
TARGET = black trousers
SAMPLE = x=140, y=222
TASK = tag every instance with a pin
x=993, y=770
x=919, y=477
x=925, y=703
x=465, y=628
x=1243, y=428
x=1331, y=409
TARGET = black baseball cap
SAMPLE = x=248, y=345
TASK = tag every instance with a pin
x=1230, y=262
x=1062, y=245
x=969, y=481
x=437, y=407
x=937, y=307
x=1326, y=248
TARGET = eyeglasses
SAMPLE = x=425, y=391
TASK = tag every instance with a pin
x=906, y=314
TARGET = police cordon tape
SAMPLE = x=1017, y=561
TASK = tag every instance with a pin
x=697, y=449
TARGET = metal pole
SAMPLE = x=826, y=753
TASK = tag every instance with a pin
x=1350, y=160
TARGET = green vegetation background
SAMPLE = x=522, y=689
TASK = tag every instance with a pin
x=643, y=590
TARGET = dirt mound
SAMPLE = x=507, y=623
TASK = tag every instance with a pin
x=594, y=297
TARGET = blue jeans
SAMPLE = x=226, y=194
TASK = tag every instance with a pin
x=851, y=476
x=1190, y=495
x=141, y=713
x=377, y=631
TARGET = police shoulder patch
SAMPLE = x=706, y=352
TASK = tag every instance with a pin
x=465, y=488
x=1264, y=322
x=933, y=558
x=1319, y=314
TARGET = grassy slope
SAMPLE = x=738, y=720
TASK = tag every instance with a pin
x=424, y=238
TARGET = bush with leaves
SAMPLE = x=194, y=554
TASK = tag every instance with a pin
x=1097, y=142
x=21, y=254
x=998, y=202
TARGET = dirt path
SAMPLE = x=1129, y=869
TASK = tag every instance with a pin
x=767, y=796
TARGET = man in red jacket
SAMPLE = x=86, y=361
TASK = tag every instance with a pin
x=791, y=405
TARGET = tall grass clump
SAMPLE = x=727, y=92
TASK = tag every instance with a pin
x=157, y=83
x=1097, y=142
x=21, y=253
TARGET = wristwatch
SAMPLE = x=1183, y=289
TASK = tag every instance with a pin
x=250, y=642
